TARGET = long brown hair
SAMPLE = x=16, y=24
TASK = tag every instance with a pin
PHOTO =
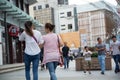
x=28, y=28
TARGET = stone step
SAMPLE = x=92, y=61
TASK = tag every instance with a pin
x=11, y=67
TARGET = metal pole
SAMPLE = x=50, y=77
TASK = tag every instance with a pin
x=6, y=37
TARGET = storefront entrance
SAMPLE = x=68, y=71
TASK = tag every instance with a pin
x=15, y=51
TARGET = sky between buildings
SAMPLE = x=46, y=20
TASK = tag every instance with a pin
x=80, y=2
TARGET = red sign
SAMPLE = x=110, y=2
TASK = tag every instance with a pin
x=13, y=30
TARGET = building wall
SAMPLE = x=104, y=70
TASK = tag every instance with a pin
x=42, y=4
x=44, y=15
x=65, y=16
x=94, y=22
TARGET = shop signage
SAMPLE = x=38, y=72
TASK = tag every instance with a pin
x=13, y=30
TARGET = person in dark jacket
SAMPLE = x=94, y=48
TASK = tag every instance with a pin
x=65, y=51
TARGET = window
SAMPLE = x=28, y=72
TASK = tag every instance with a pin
x=47, y=5
x=21, y=5
x=62, y=25
x=39, y=7
x=17, y=3
x=14, y=2
x=66, y=2
x=60, y=1
x=69, y=26
x=63, y=29
x=34, y=8
x=34, y=17
x=62, y=13
x=62, y=17
x=69, y=14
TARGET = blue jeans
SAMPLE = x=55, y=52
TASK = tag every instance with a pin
x=35, y=63
x=52, y=68
x=66, y=62
x=117, y=61
x=101, y=59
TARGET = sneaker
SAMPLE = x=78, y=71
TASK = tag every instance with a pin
x=89, y=72
x=116, y=71
x=102, y=73
x=84, y=71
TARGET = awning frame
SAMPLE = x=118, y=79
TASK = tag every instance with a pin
x=15, y=12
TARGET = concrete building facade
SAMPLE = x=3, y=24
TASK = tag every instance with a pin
x=95, y=24
x=96, y=20
x=57, y=12
x=43, y=4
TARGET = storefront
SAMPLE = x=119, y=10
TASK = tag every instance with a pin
x=11, y=50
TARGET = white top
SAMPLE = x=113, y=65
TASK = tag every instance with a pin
x=87, y=55
x=32, y=47
x=114, y=46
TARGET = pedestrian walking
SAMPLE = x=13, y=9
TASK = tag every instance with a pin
x=87, y=57
x=65, y=51
x=51, y=55
x=115, y=45
x=32, y=40
x=101, y=48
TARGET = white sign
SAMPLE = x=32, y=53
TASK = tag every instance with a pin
x=83, y=40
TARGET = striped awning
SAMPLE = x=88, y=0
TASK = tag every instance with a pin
x=16, y=13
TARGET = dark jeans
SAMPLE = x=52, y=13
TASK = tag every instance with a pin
x=117, y=62
x=52, y=68
x=66, y=62
x=28, y=59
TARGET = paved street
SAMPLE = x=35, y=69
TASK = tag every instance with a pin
x=69, y=74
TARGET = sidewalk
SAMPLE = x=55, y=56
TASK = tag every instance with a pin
x=71, y=74
x=11, y=67
x=63, y=74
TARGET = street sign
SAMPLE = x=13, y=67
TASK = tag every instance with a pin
x=13, y=30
